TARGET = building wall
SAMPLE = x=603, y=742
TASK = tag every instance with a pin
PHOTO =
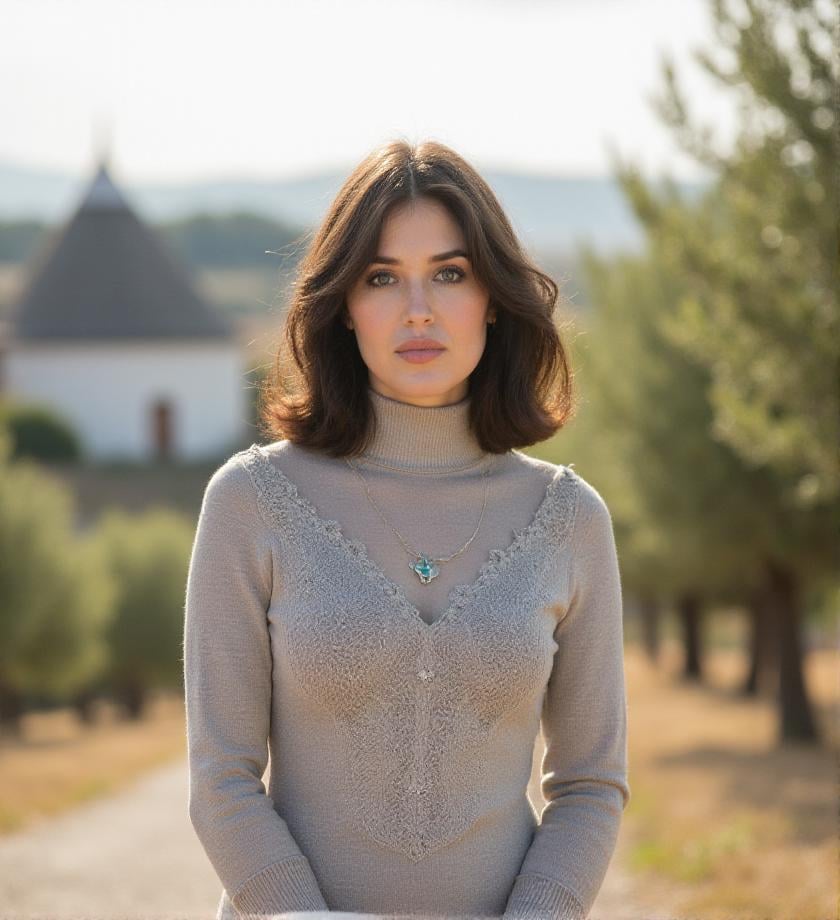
x=107, y=392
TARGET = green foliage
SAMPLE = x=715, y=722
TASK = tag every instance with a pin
x=148, y=557
x=55, y=593
x=237, y=240
x=103, y=609
x=39, y=432
x=760, y=253
x=716, y=416
x=689, y=515
x=234, y=240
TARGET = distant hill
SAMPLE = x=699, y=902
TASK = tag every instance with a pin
x=550, y=213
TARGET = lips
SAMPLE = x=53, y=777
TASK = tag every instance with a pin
x=420, y=345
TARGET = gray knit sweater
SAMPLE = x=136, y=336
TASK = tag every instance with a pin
x=401, y=717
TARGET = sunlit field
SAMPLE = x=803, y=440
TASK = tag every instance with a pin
x=722, y=823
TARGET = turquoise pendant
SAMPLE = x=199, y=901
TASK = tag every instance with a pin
x=426, y=569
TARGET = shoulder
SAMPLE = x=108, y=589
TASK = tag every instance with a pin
x=559, y=488
x=591, y=503
x=235, y=472
x=230, y=487
x=528, y=467
x=545, y=468
x=593, y=524
x=260, y=481
x=579, y=505
x=232, y=528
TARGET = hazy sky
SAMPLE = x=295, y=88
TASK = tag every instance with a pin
x=267, y=88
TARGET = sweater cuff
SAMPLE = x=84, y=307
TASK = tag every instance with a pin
x=284, y=886
x=535, y=897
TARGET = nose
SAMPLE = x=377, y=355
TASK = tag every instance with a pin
x=417, y=308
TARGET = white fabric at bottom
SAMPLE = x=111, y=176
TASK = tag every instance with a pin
x=226, y=910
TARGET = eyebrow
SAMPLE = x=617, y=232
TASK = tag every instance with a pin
x=451, y=254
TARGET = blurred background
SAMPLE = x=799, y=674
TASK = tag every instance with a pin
x=674, y=165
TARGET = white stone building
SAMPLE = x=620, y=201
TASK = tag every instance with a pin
x=111, y=333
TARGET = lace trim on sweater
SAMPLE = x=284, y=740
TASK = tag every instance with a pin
x=553, y=520
x=415, y=704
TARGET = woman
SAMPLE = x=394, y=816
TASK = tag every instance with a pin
x=395, y=598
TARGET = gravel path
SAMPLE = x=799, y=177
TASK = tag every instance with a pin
x=130, y=855
x=135, y=856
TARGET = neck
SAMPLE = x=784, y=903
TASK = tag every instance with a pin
x=422, y=438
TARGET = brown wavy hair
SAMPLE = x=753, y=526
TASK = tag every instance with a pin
x=316, y=394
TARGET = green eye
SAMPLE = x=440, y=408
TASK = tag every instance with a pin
x=372, y=279
x=459, y=273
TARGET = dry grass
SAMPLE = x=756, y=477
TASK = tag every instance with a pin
x=59, y=762
x=724, y=823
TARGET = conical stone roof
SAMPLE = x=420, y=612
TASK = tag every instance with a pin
x=108, y=276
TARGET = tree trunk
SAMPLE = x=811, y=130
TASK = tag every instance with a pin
x=649, y=610
x=689, y=611
x=796, y=716
x=763, y=675
x=133, y=697
x=83, y=705
x=11, y=709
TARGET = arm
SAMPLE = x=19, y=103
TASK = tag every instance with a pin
x=584, y=723
x=228, y=689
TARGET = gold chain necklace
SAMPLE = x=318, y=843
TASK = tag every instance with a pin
x=422, y=564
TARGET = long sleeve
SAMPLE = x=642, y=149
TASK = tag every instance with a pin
x=228, y=690
x=584, y=724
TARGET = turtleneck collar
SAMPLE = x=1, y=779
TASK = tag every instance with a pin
x=422, y=438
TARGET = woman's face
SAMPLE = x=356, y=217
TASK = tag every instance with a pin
x=409, y=292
